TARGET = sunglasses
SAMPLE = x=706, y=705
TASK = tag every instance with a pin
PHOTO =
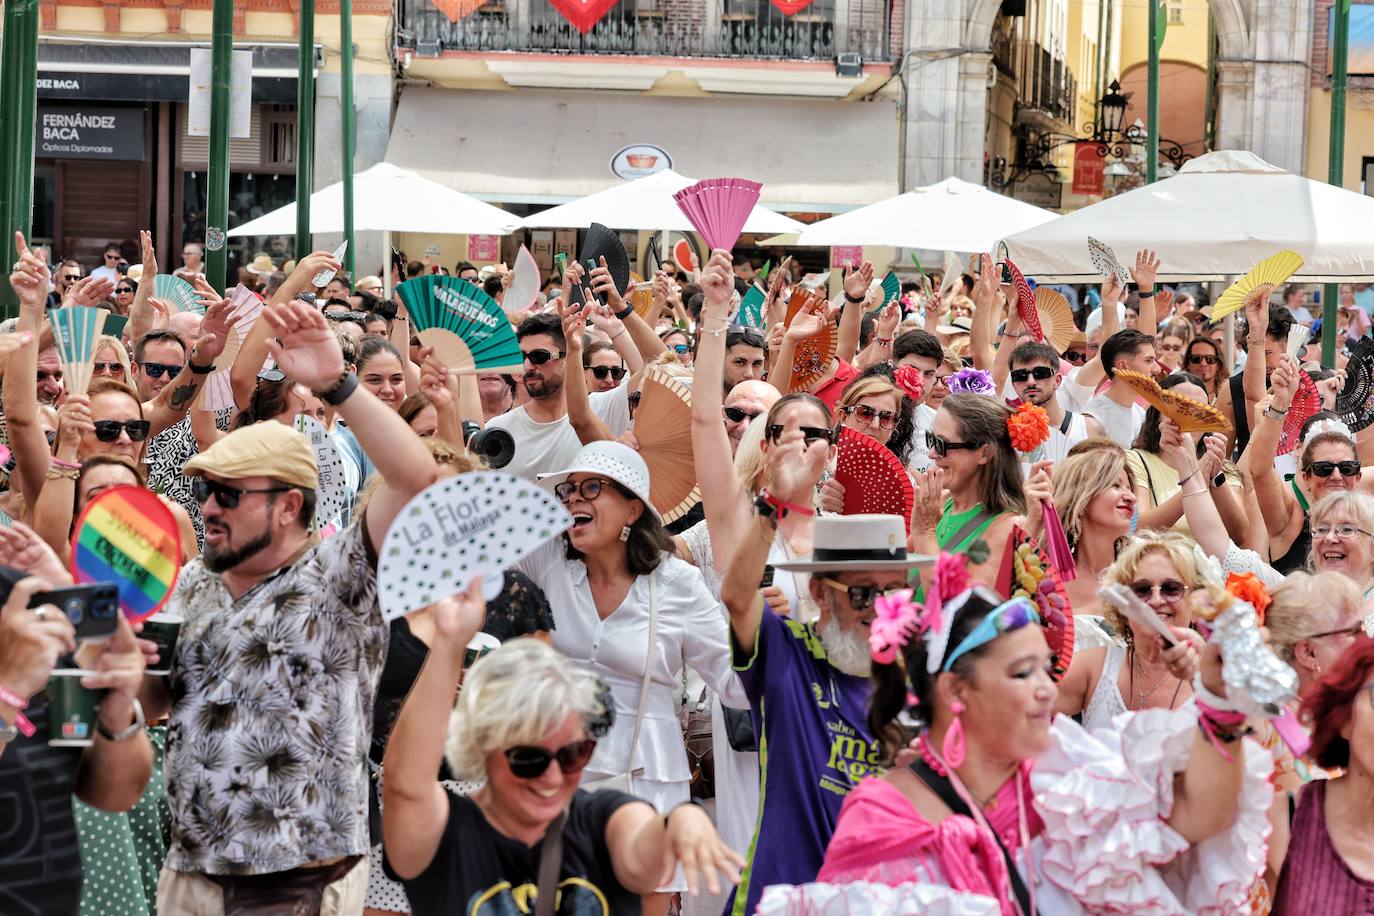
x=529, y=762
x=615, y=372
x=112, y=257
x=271, y=375
x=228, y=497
x=1013, y=615
x=941, y=446
x=156, y=370
x=1325, y=469
x=810, y=434
x=540, y=357
x=1077, y=357
x=108, y=430
x=681, y=349
x=1039, y=373
x=738, y=414
x=886, y=418
x=1170, y=590
x=124, y=289
x=69, y=278
x=1354, y=632
x=588, y=489
x=1202, y=359
x=861, y=597
x=1344, y=532
x=111, y=368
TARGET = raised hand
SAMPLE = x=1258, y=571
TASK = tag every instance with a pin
x=304, y=347
x=858, y=280
x=1145, y=268
x=145, y=244
x=574, y=326
x=459, y=618
x=1039, y=488
x=215, y=329
x=74, y=420
x=795, y=467
x=1112, y=290
x=1283, y=382
x=1176, y=448
x=22, y=548
x=810, y=320
x=717, y=285
x=985, y=284
x=89, y=291
x=929, y=503
x=434, y=380
x=832, y=496
x=604, y=285
x=13, y=342
x=888, y=319
x=30, y=277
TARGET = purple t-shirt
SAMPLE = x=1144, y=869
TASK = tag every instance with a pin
x=814, y=747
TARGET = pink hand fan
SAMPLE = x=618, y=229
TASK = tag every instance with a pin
x=874, y=481
x=1057, y=545
x=1025, y=302
x=718, y=208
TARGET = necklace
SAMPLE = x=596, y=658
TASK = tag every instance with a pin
x=1145, y=692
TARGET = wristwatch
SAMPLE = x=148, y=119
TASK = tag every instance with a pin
x=340, y=391
x=200, y=370
x=124, y=734
x=625, y=312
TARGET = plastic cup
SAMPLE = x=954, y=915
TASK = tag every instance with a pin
x=72, y=709
x=162, y=629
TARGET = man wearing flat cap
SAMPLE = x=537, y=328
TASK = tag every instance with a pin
x=274, y=674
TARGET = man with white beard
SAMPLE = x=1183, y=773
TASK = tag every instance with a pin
x=808, y=684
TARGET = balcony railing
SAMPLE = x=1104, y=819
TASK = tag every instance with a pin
x=663, y=28
x=1047, y=84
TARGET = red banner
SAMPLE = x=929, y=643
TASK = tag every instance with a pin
x=1087, y=169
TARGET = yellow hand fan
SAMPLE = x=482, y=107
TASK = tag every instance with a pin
x=815, y=353
x=640, y=295
x=663, y=429
x=1262, y=279
x=1056, y=318
x=1190, y=416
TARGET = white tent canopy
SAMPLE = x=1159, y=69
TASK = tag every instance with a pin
x=646, y=203
x=1219, y=216
x=953, y=215
x=390, y=199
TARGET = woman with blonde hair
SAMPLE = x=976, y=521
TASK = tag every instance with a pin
x=111, y=360
x=1094, y=493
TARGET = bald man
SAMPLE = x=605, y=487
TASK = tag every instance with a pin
x=745, y=401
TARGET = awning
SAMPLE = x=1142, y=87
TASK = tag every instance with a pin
x=552, y=147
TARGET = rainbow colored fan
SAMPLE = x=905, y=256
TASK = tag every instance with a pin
x=718, y=208
x=467, y=328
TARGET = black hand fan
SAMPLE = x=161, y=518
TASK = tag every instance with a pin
x=1355, y=403
x=598, y=243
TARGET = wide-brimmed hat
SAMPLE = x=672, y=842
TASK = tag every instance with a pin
x=261, y=264
x=612, y=460
x=960, y=324
x=857, y=542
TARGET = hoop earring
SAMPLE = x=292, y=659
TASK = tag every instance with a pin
x=955, y=745
x=624, y=534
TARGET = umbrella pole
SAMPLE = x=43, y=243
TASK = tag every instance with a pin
x=349, y=132
x=1336, y=163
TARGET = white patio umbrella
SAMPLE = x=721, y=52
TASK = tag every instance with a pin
x=1219, y=216
x=953, y=215
x=646, y=203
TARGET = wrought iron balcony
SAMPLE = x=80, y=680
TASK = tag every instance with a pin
x=660, y=28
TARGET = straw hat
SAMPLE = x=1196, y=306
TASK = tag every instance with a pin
x=857, y=542
x=261, y=264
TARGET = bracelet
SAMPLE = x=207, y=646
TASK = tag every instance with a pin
x=625, y=312
x=58, y=462
x=21, y=721
x=61, y=474
x=782, y=507
x=618, y=333
x=340, y=390
x=1202, y=492
x=883, y=341
x=10, y=698
x=200, y=370
x=850, y=299
x=1146, y=293
x=129, y=731
x=1254, y=343
x=1273, y=414
x=1187, y=477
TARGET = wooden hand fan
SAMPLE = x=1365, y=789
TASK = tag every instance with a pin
x=74, y=330
x=640, y=295
x=1189, y=415
x=1056, y=318
x=1355, y=403
x=874, y=481
x=1262, y=279
x=524, y=285
x=244, y=308
x=177, y=293
x=814, y=354
x=1025, y=302
x=663, y=428
x=1306, y=401
x=467, y=329
x=718, y=208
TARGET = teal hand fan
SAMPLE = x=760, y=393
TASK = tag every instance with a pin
x=467, y=328
x=177, y=293
x=115, y=324
x=751, y=309
x=892, y=288
x=74, y=330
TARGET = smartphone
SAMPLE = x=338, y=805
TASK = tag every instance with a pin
x=1007, y=278
x=93, y=609
x=767, y=579
x=560, y=262
x=1202, y=444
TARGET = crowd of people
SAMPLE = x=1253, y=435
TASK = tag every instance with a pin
x=1031, y=689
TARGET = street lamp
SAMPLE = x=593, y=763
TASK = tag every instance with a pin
x=1113, y=108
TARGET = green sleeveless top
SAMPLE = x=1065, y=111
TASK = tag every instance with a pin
x=954, y=525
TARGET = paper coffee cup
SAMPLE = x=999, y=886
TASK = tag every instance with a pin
x=72, y=709
x=162, y=629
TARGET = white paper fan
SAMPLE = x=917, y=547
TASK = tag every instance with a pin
x=1106, y=262
x=1298, y=335
x=329, y=495
x=952, y=273
x=524, y=284
x=244, y=309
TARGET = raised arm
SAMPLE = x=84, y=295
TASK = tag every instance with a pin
x=604, y=320
x=1256, y=329
x=984, y=314
x=1207, y=792
x=1277, y=503
x=52, y=510
x=857, y=283
x=644, y=338
x=20, y=395
x=438, y=384
x=142, y=316
x=171, y=405
x=1092, y=373
x=588, y=426
x=1143, y=273
x=808, y=322
x=879, y=349
x=1204, y=520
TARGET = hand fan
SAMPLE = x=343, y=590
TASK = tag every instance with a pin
x=663, y=428
x=177, y=293
x=1124, y=600
x=1025, y=302
x=1056, y=318
x=1027, y=572
x=126, y=535
x=326, y=274
x=467, y=329
x=457, y=10
x=952, y=273
x=751, y=309
x=1306, y=401
x=1104, y=259
x=1259, y=282
x=74, y=330
x=1355, y=403
x=1190, y=416
x=640, y=296
x=892, y=288
x=874, y=481
x=524, y=285
x=244, y=308
x=598, y=243
x=1057, y=544
x=718, y=208
x=814, y=354
x=683, y=256
x=1298, y=335
x=330, y=494
x=477, y=524
x=115, y=325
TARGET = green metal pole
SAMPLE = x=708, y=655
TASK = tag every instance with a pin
x=349, y=130
x=1340, y=47
x=217, y=194
x=18, y=103
x=1209, y=119
x=305, y=127
x=1152, y=111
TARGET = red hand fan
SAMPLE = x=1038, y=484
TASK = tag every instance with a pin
x=718, y=208
x=874, y=481
x=1025, y=301
x=1305, y=403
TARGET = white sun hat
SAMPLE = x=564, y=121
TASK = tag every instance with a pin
x=608, y=459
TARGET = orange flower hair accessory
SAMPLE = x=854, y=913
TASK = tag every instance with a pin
x=1248, y=588
x=1029, y=428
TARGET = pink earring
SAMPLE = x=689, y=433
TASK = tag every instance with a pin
x=954, y=746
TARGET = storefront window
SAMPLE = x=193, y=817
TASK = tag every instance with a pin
x=251, y=194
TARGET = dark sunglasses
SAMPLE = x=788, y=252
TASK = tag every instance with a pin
x=529, y=762
x=1170, y=590
x=113, y=368
x=886, y=418
x=359, y=317
x=615, y=372
x=108, y=430
x=1325, y=469
x=1202, y=359
x=155, y=370
x=1039, y=373
x=941, y=447
x=738, y=414
x=228, y=497
x=540, y=357
x=1077, y=357
x=810, y=434
x=124, y=289
x=861, y=597
x=588, y=489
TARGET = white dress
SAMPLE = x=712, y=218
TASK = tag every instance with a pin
x=1106, y=702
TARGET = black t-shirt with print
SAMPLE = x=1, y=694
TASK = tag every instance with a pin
x=480, y=872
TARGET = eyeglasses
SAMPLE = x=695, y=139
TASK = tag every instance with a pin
x=941, y=446
x=1077, y=357
x=886, y=418
x=1170, y=590
x=156, y=370
x=1325, y=469
x=1013, y=615
x=738, y=414
x=530, y=762
x=1039, y=373
x=810, y=434
x=588, y=489
x=108, y=430
x=861, y=597
x=1344, y=532
x=615, y=372
x=124, y=289
x=109, y=368
x=69, y=278
x=111, y=257
x=1202, y=359
x=540, y=357
x=681, y=349
x=228, y=497
x=1354, y=631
